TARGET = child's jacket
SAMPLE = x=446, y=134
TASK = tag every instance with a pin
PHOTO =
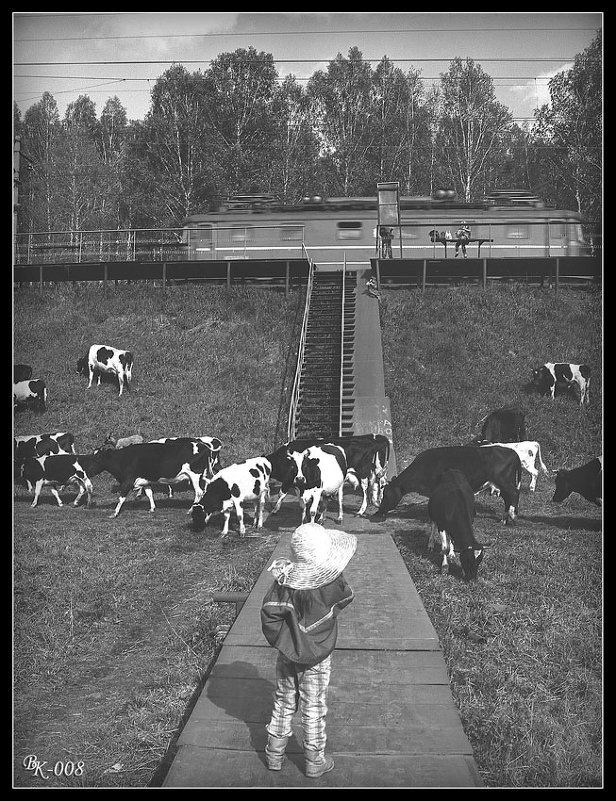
x=310, y=640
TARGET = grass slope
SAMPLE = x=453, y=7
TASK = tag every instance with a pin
x=523, y=644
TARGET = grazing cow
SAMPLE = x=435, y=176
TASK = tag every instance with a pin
x=141, y=466
x=105, y=359
x=30, y=393
x=451, y=508
x=321, y=472
x=585, y=480
x=229, y=489
x=563, y=374
x=504, y=425
x=42, y=445
x=21, y=372
x=528, y=451
x=56, y=471
x=481, y=466
x=366, y=455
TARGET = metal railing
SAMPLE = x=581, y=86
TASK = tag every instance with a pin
x=292, y=423
x=341, y=391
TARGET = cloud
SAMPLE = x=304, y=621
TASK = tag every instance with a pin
x=536, y=93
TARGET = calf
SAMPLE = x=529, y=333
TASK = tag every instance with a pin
x=321, y=472
x=451, y=508
x=229, y=489
x=528, y=451
x=56, y=471
x=21, y=372
x=504, y=425
x=481, y=466
x=35, y=445
x=139, y=467
x=563, y=374
x=586, y=480
x=105, y=359
x=30, y=393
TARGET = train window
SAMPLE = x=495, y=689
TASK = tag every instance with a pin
x=202, y=235
x=241, y=233
x=349, y=230
x=558, y=230
x=519, y=231
x=292, y=233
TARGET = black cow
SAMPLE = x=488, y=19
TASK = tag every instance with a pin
x=482, y=467
x=56, y=471
x=563, y=374
x=366, y=455
x=451, y=508
x=141, y=466
x=30, y=393
x=585, y=480
x=21, y=372
x=504, y=425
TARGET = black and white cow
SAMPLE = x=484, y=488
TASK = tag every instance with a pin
x=139, y=467
x=586, y=480
x=504, y=425
x=229, y=489
x=34, y=445
x=21, y=372
x=367, y=456
x=563, y=374
x=106, y=359
x=529, y=452
x=321, y=472
x=56, y=471
x=213, y=444
x=451, y=507
x=31, y=393
x=482, y=467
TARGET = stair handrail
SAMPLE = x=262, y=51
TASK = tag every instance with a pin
x=340, y=394
x=300, y=352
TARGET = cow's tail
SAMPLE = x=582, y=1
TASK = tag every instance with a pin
x=541, y=464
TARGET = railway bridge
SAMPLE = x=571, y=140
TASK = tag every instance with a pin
x=392, y=721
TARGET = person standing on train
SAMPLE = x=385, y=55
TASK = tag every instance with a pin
x=463, y=235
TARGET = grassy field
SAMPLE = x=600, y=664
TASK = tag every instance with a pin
x=524, y=643
x=114, y=629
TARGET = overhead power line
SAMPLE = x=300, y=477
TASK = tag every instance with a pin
x=388, y=31
x=278, y=61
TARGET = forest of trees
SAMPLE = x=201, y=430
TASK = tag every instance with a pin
x=237, y=128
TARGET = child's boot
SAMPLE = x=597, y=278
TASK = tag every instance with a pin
x=274, y=751
x=317, y=763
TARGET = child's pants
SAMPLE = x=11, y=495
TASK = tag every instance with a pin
x=303, y=688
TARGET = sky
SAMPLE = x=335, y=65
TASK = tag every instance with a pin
x=55, y=52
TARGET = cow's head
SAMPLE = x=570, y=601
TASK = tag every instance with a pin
x=82, y=365
x=296, y=459
x=537, y=375
x=470, y=559
x=392, y=495
x=214, y=500
x=563, y=490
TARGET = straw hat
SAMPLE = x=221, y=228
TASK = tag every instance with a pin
x=318, y=556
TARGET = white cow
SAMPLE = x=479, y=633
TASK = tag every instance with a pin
x=106, y=359
x=321, y=472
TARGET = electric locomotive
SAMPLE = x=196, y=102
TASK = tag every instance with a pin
x=334, y=230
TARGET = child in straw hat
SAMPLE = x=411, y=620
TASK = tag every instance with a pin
x=298, y=618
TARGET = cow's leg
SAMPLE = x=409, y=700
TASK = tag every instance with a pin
x=150, y=494
x=444, y=549
x=239, y=511
x=82, y=489
x=37, y=491
x=121, y=383
x=91, y=375
x=56, y=495
x=364, y=504
x=225, y=528
x=511, y=497
x=533, y=476
x=340, y=517
x=119, y=505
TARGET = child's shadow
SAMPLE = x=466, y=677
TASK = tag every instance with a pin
x=241, y=691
